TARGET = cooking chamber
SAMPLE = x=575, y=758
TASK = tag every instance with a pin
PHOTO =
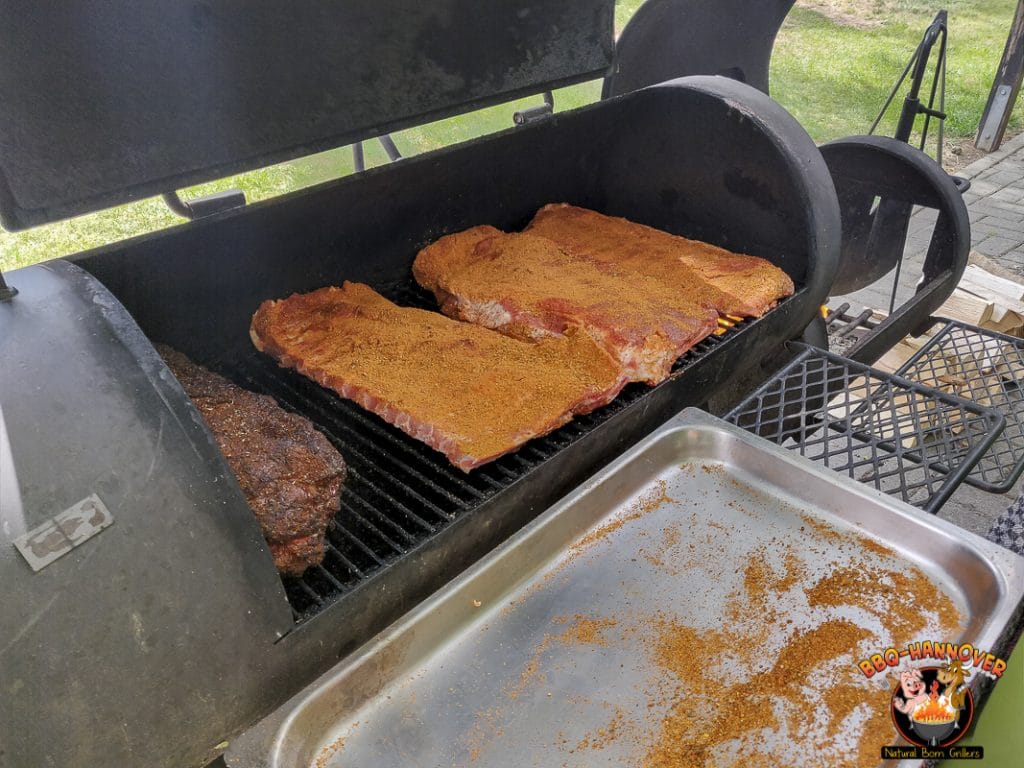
x=706, y=157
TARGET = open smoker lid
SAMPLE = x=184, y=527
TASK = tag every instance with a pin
x=103, y=103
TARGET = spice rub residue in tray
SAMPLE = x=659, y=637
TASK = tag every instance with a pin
x=701, y=622
x=712, y=693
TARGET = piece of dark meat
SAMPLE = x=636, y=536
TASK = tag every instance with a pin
x=289, y=472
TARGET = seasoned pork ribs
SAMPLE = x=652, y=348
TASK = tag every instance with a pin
x=470, y=393
x=530, y=288
x=748, y=286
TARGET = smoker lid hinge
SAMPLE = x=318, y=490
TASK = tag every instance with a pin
x=532, y=114
x=207, y=205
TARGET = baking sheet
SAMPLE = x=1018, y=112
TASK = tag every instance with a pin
x=705, y=598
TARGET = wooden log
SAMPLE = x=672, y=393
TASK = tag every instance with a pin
x=991, y=285
x=967, y=308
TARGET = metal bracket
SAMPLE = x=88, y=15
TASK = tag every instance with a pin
x=989, y=129
x=7, y=292
x=531, y=114
x=207, y=205
x=359, y=160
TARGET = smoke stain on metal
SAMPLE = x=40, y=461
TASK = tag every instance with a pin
x=54, y=538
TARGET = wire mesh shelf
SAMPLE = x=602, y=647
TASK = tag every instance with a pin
x=986, y=368
x=901, y=437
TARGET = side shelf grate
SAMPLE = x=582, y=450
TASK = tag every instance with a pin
x=903, y=438
x=986, y=368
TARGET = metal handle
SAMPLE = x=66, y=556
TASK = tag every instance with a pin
x=528, y=115
x=208, y=205
x=359, y=159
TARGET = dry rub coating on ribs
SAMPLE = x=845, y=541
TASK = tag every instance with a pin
x=465, y=391
x=528, y=287
x=749, y=286
x=290, y=474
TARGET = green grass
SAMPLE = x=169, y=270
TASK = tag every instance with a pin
x=834, y=77
x=829, y=69
x=63, y=238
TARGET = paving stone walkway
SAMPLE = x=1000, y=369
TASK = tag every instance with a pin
x=995, y=203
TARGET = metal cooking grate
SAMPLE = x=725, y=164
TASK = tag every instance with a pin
x=903, y=438
x=399, y=492
x=987, y=368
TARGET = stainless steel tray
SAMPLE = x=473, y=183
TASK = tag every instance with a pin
x=552, y=650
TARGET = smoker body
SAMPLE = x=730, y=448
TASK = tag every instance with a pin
x=169, y=632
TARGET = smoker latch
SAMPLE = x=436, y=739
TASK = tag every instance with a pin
x=207, y=205
x=531, y=114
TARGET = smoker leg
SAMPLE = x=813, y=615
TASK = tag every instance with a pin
x=816, y=334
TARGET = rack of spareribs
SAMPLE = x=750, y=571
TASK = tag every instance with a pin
x=537, y=326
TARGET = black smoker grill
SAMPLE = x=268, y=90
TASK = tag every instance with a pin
x=168, y=632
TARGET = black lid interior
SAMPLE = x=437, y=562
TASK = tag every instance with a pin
x=106, y=102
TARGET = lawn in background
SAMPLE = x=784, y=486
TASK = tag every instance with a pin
x=835, y=61
x=833, y=65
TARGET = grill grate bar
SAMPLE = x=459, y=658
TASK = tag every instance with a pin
x=536, y=453
x=349, y=445
x=333, y=551
x=503, y=469
x=399, y=492
x=321, y=572
x=372, y=511
x=301, y=596
x=399, y=442
x=983, y=367
x=357, y=541
x=905, y=439
x=389, y=500
x=288, y=384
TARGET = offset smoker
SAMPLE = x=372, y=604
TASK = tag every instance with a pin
x=168, y=632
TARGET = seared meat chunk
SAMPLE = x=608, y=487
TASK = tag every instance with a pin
x=289, y=472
